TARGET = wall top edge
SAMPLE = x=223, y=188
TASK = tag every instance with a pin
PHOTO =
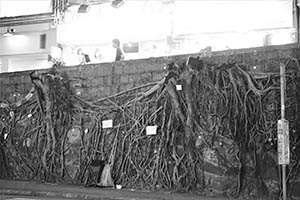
x=167, y=59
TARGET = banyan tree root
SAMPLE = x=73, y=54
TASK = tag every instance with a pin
x=215, y=134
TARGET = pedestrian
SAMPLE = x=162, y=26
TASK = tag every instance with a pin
x=119, y=54
x=83, y=58
x=97, y=55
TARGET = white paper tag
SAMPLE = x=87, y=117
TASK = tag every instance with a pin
x=178, y=87
x=151, y=130
x=5, y=136
x=107, y=123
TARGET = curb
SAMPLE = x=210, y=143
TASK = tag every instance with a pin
x=55, y=194
x=66, y=195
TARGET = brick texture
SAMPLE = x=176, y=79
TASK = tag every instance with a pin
x=104, y=79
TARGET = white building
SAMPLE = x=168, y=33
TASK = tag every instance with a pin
x=146, y=28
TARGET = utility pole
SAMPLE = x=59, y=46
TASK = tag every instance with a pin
x=283, y=133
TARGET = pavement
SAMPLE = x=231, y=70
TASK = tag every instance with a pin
x=25, y=188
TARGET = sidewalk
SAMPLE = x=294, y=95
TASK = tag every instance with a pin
x=8, y=187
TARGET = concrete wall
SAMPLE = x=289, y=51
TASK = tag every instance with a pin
x=100, y=80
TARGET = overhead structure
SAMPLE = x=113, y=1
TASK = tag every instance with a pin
x=83, y=8
x=50, y=13
x=117, y=3
x=87, y=2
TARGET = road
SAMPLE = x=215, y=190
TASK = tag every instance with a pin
x=14, y=197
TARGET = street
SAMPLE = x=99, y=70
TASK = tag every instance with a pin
x=26, y=190
x=14, y=197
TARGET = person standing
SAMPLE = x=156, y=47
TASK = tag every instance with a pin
x=83, y=58
x=119, y=54
x=97, y=55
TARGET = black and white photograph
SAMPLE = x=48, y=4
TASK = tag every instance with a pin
x=150, y=99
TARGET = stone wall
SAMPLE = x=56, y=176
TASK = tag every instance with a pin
x=100, y=80
x=104, y=79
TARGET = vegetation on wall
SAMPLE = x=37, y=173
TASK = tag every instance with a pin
x=216, y=131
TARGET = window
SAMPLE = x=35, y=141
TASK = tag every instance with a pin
x=169, y=27
x=231, y=15
x=232, y=24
